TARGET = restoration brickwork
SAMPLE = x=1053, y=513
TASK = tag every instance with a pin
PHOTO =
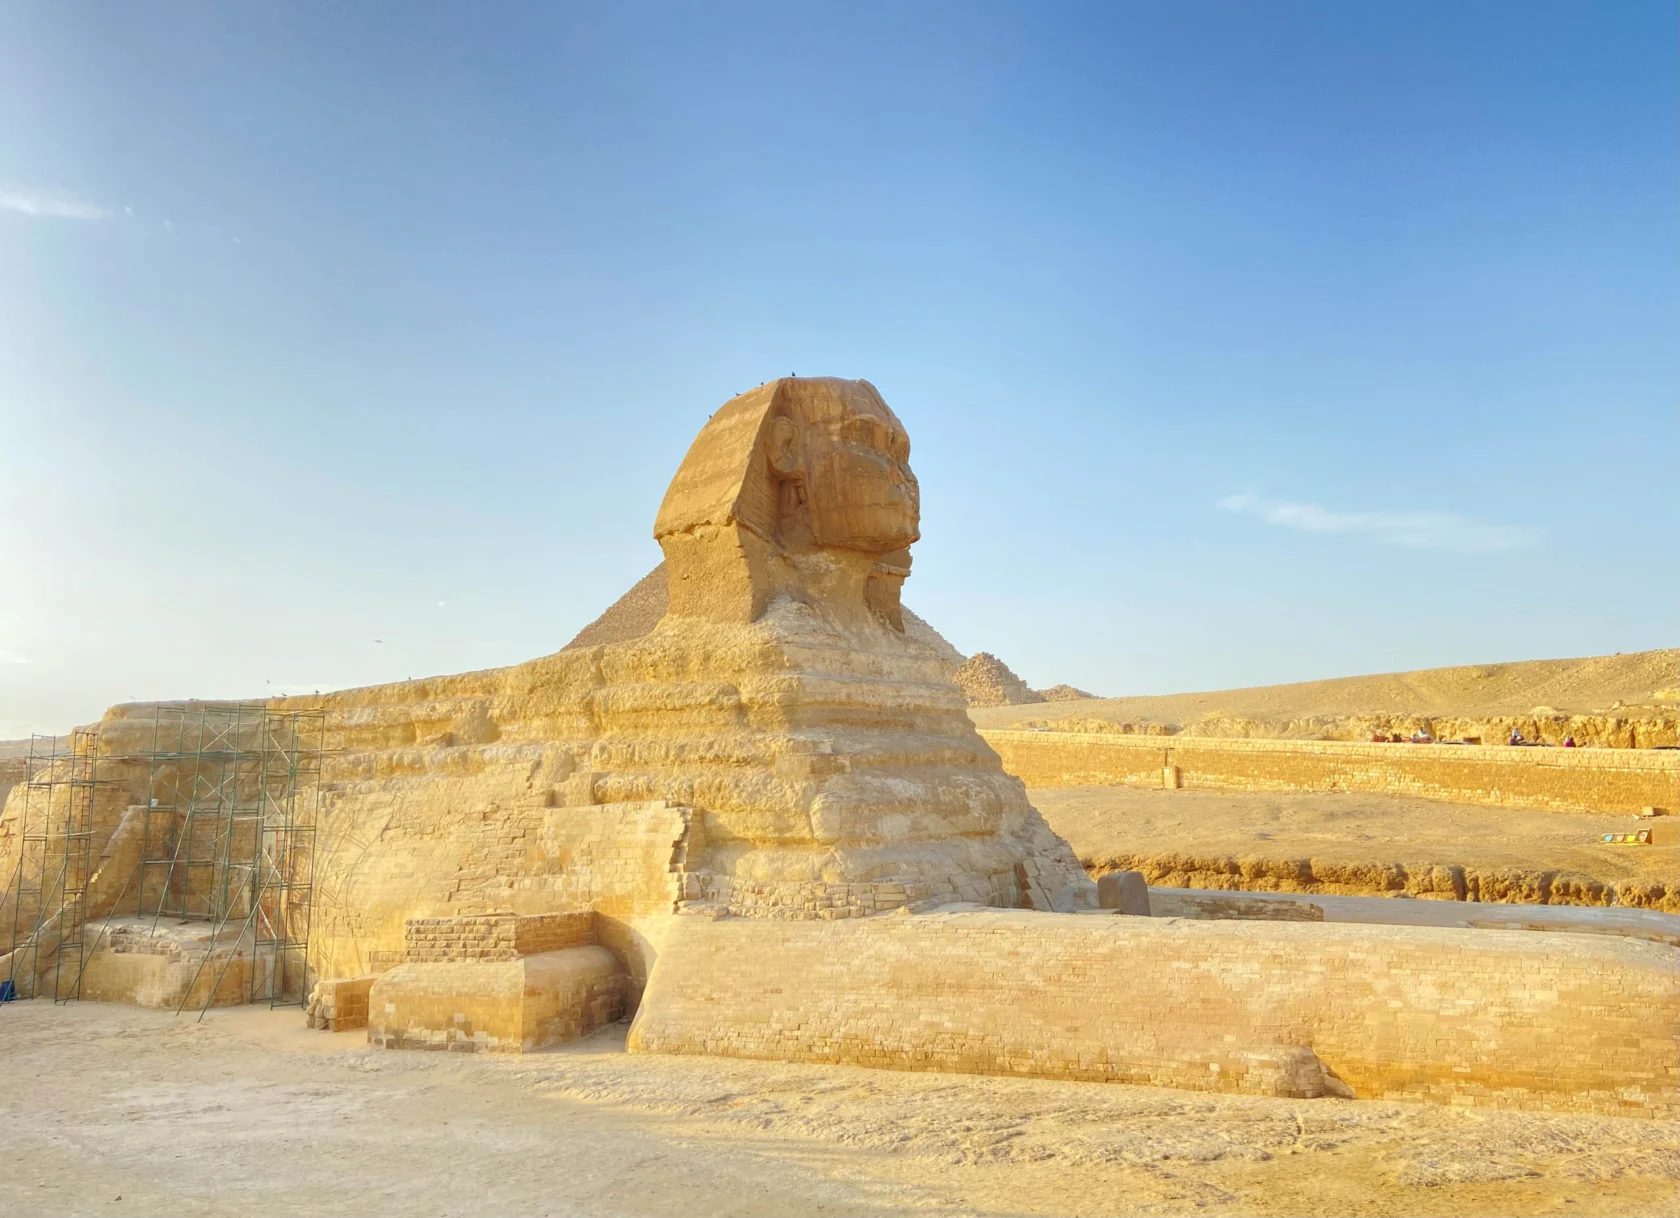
x=1567, y=780
x=494, y=936
x=496, y=1006
x=339, y=1005
x=1472, y=1018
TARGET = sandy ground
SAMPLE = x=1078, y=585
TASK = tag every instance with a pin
x=1108, y=825
x=248, y=1113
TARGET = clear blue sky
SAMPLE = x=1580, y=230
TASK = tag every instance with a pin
x=1238, y=343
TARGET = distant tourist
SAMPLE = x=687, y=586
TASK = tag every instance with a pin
x=1569, y=742
x=1516, y=737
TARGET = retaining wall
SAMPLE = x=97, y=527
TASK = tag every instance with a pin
x=1596, y=780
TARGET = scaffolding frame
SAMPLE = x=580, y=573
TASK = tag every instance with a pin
x=49, y=884
x=229, y=835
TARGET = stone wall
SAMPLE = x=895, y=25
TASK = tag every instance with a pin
x=496, y=1006
x=494, y=936
x=339, y=1005
x=1481, y=1018
x=1598, y=780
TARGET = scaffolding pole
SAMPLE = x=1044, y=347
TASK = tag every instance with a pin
x=49, y=885
x=229, y=837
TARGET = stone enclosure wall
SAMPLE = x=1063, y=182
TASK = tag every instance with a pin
x=1482, y=1018
x=1597, y=780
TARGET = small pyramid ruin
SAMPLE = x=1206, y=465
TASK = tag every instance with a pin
x=986, y=680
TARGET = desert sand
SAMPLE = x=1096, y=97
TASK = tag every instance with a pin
x=1594, y=684
x=1338, y=842
x=247, y=1113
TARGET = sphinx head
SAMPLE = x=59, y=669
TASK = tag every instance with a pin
x=841, y=461
x=798, y=468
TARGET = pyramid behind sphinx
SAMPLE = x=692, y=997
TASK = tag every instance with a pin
x=639, y=610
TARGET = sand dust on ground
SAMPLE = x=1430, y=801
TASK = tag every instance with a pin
x=247, y=1113
x=1113, y=827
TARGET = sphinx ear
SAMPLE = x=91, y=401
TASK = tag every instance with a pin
x=784, y=446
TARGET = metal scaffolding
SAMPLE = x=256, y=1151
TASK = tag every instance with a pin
x=227, y=838
x=229, y=835
x=48, y=890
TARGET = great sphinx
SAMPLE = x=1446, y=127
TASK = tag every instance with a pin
x=783, y=741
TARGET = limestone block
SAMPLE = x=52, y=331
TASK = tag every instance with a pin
x=184, y=966
x=496, y=1006
x=1469, y=1018
x=578, y=790
x=1124, y=892
x=339, y=1005
x=495, y=936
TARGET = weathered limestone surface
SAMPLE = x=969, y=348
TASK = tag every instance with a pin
x=1482, y=1018
x=339, y=1004
x=1599, y=780
x=496, y=1006
x=495, y=936
x=1125, y=892
x=181, y=966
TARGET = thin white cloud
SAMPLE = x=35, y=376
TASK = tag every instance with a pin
x=52, y=207
x=12, y=657
x=1421, y=530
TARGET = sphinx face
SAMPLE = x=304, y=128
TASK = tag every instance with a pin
x=797, y=467
x=859, y=490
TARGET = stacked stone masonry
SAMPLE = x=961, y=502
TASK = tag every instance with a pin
x=1598, y=780
x=1469, y=1018
x=503, y=936
x=339, y=1005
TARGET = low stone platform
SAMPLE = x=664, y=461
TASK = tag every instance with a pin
x=498, y=983
x=166, y=965
x=1480, y=1018
x=496, y=1006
